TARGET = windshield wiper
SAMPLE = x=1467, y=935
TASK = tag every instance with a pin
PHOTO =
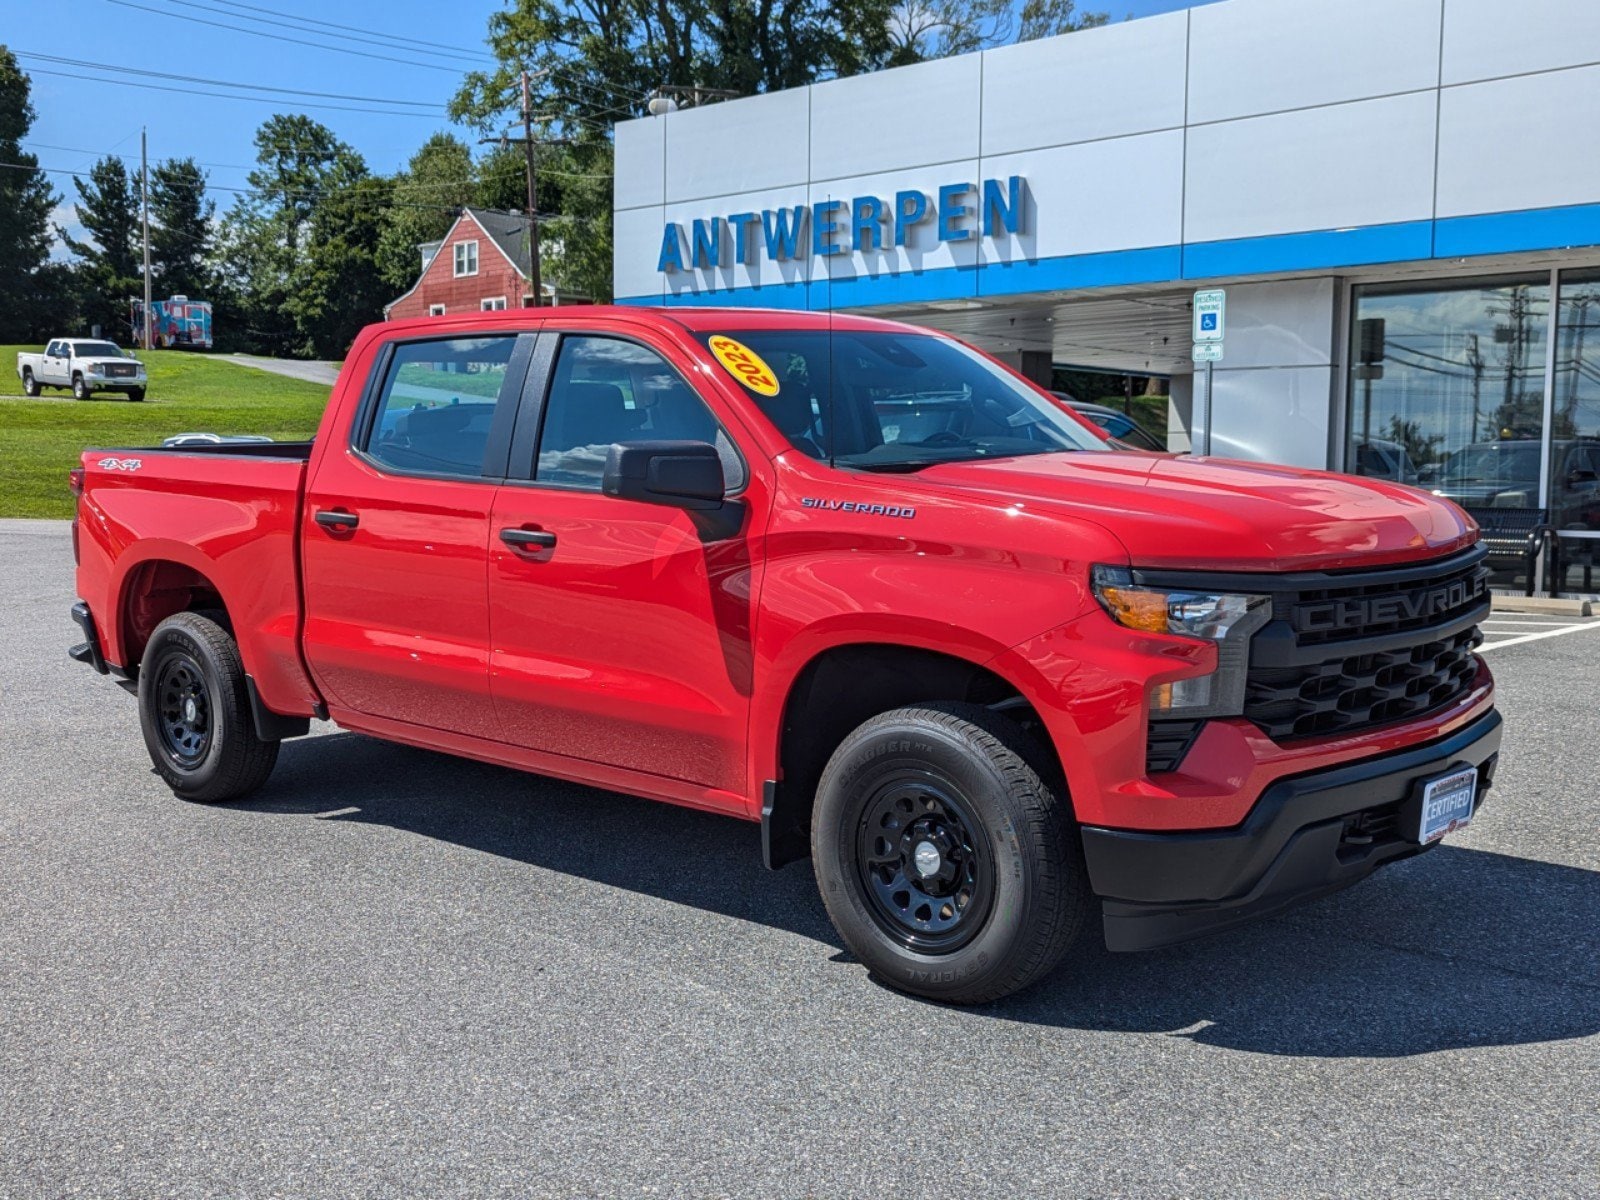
x=902, y=467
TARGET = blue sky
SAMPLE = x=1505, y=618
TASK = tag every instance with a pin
x=80, y=119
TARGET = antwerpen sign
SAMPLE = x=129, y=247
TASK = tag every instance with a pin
x=956, y=212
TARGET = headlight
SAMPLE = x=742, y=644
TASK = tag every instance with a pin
x=1224, y=618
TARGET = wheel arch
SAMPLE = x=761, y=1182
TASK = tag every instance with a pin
x=849, y=681
x=153, y=589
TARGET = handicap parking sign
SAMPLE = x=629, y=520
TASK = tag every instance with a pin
x=1210, y=308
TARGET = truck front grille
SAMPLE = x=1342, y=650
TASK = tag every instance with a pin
x=1347, y=650
x=1362, y=690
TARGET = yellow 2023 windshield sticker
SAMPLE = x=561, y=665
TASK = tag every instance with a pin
x=744, y=364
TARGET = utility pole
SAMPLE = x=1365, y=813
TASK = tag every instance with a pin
x=533, y=195
x=530, y=145
x=144, y=192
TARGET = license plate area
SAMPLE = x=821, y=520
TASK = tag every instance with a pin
x=1440, y=805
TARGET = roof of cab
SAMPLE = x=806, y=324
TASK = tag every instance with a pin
x=694, y=319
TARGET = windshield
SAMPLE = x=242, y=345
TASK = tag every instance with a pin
x=95, y=350
x=888, y=401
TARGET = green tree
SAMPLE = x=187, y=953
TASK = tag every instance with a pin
x=109, y=268
x=26, y=200
x=595, y=61
x=927, y=29
x=338, y=286
x=180, y=229
x=438, y=180
x=299, y=163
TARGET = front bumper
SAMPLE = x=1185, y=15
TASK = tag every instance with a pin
x=1306, y=836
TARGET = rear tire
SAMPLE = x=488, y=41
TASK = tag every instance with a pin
x=194, y=709
x=80, y=390
x=946, y=857
x=30, y=385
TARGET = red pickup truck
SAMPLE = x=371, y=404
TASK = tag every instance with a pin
x=850, y=579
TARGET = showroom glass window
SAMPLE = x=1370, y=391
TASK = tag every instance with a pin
x=1575, y=430
x=1447, y=390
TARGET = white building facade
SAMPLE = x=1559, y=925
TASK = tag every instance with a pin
x=1399, y=197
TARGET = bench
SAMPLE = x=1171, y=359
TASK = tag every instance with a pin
x=1514, y=533
x=1575, y=546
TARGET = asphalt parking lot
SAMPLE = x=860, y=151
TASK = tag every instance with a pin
x=396, y=974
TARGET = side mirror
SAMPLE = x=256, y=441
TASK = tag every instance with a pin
x=1581, y=478
x=681, y=474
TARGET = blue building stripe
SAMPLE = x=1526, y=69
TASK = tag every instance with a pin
x=908, y=287
x=1529, y=229
x=1071, y=272
x=1327, y=249
x=1320, y=249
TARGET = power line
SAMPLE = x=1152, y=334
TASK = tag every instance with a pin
x=260, y=87
x=394, y=37
x=285, y=193
x=406, y=62
x=300, y=24
x=158, y=87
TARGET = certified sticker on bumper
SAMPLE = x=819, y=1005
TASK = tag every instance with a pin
x=1447, y=804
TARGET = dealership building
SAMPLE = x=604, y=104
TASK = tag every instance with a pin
x=1399, y=198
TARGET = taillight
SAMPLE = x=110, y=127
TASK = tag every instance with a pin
x=75, y=481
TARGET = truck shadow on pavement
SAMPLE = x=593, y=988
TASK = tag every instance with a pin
x=1459, y=948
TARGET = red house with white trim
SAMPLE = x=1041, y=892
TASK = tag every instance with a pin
x=481, y=264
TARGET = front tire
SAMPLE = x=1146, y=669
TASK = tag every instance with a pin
x=136, y=394
x=947, y=859
x=194, y=709
x=30, y=385
x=80, y=390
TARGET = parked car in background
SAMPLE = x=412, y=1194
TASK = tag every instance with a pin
x=1384, y=460
x=84, y=365
x=1118, y=424
x=1505, y=474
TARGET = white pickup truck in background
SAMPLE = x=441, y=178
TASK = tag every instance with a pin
x=85, y=365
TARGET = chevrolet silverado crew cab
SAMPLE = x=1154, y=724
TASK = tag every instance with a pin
x=849, y=579
x=86, y=366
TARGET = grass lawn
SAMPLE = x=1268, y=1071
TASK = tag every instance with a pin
x=40, y=440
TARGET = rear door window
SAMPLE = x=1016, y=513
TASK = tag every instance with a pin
x=437, y=405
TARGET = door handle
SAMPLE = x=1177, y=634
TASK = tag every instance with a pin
x=522, y=539
x=334, y=518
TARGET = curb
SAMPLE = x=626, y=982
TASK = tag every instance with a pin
x=1542, y=604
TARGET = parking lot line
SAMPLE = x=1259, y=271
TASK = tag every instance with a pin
x=1579, y=627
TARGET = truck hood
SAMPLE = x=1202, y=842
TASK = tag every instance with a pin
x=1219, y=514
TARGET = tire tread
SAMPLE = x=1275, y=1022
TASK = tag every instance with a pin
x=1060, y=896
x=244, y=759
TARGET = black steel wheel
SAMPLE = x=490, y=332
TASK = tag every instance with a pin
x=925, y=863
x=185, y=709
x=194, y=709
x=946, y=853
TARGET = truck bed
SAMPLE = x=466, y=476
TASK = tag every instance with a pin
x=220, y=519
